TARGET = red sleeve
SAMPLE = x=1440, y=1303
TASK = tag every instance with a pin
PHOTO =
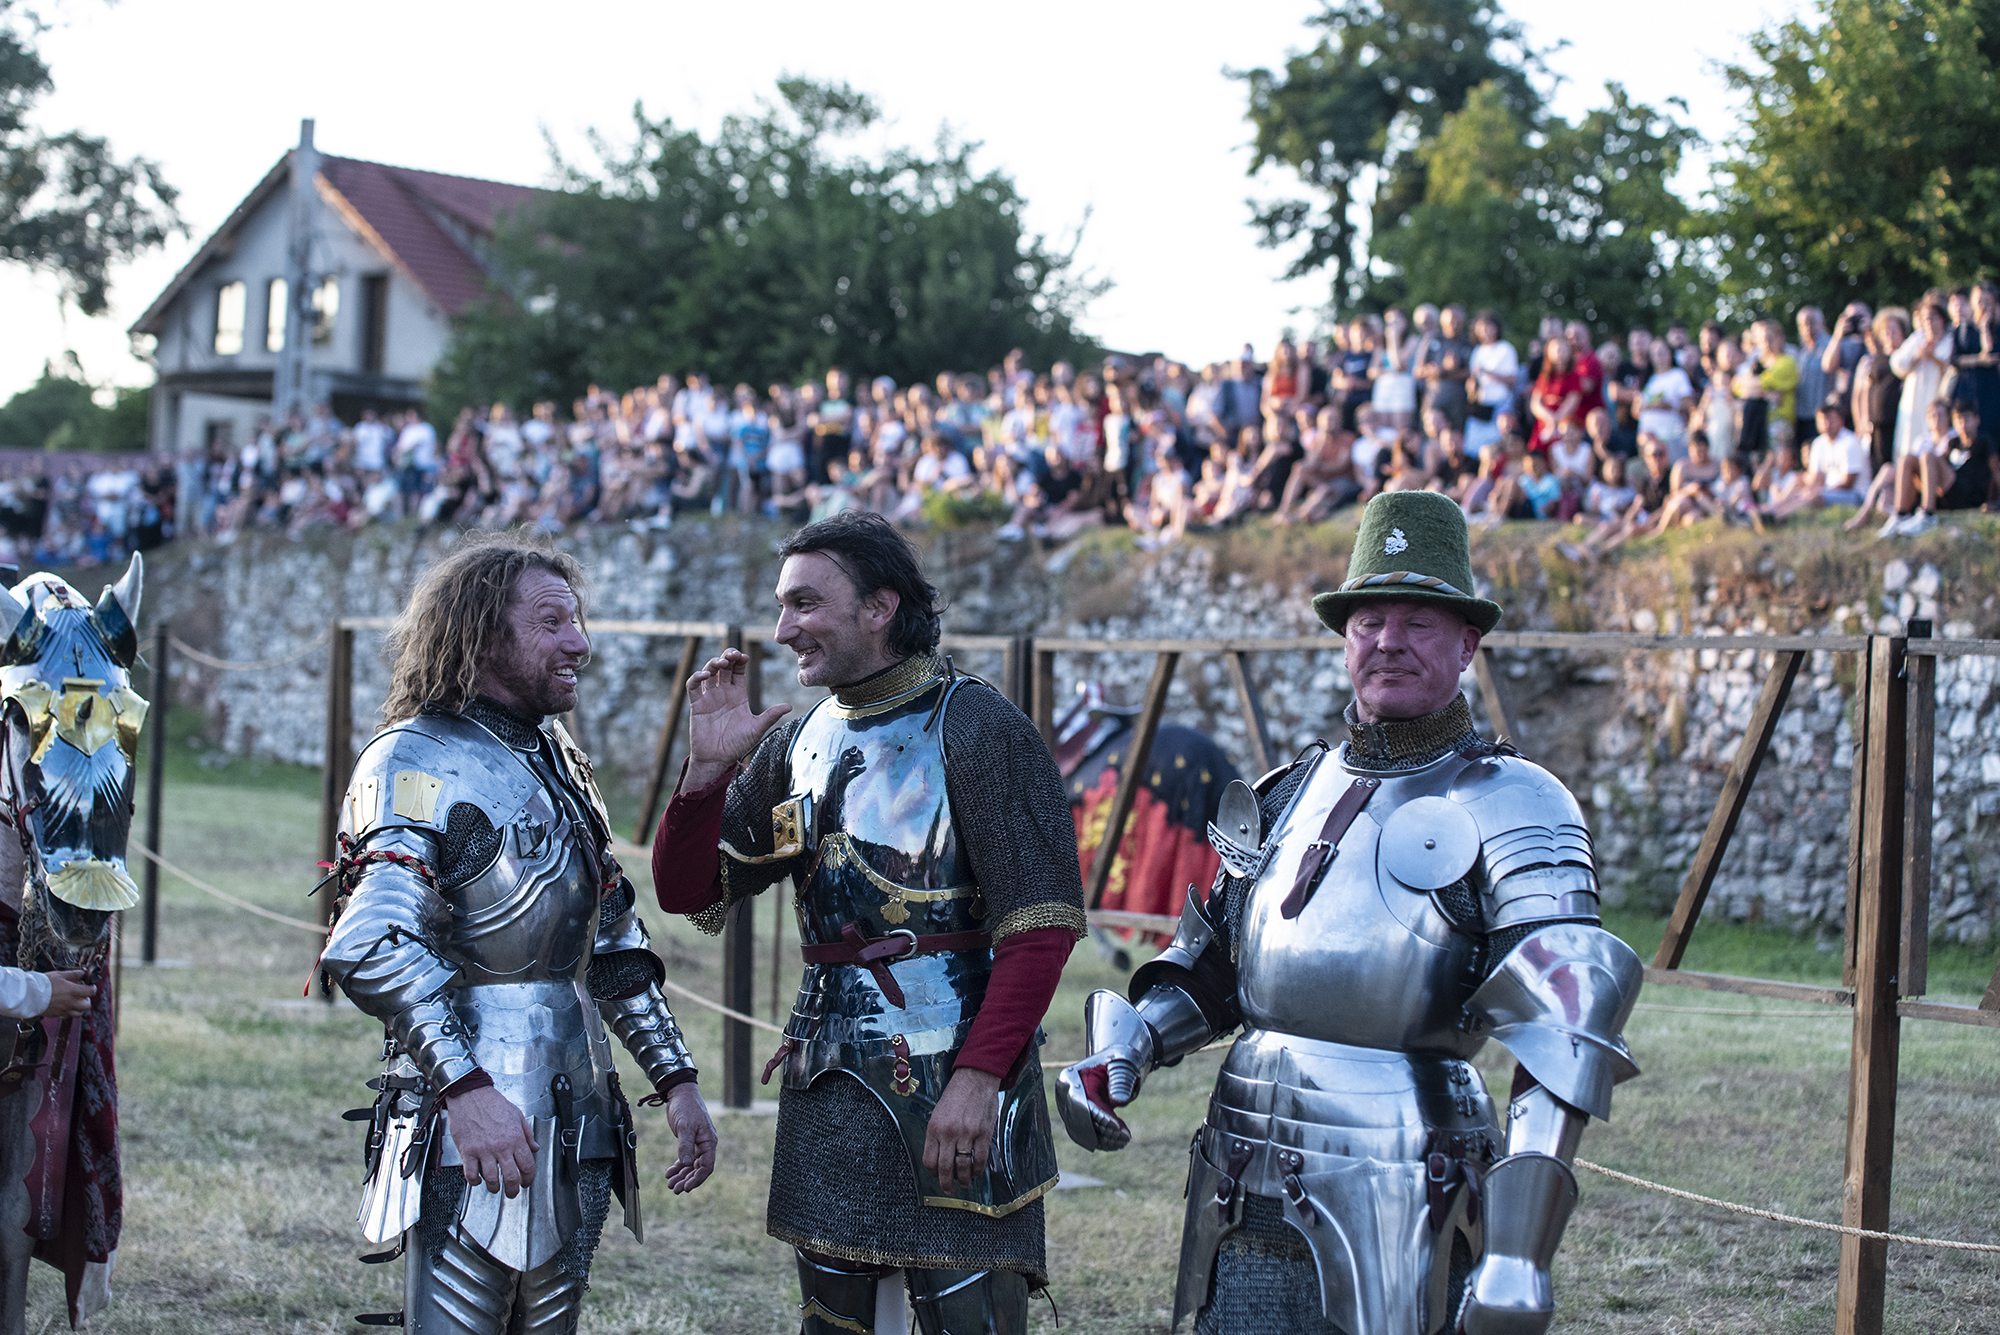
x=1026, y=968
x=687, y=875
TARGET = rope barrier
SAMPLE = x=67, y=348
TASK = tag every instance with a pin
x=1825, y=1012
x=186, y=650
x=750, y=1020
x=1775, y=1217
x=222, y=895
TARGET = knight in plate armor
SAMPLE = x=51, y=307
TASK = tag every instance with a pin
x=1382, y=910
x=925, y=829
x=485, y=922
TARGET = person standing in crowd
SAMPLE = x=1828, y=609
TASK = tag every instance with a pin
x=1876, y=390
x=1921, y=361
x=1976, y=352
x=1440, y=362
x=417, y=460
x=1494, y=366
x=1813, y=390
x=1557, y=396
x=1666, y=402
x=1393, y=389
x=913, y=1147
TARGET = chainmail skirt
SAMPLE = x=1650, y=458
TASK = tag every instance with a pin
x=842, y=1186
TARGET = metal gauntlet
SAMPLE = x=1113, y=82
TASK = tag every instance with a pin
x=647, y=1028
x=1124, y=1043
x=1527, y=1200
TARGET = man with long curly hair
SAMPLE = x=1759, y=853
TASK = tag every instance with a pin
x=487, y=925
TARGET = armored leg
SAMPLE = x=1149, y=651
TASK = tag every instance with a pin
x=455, y=1289
x=969, y=1302
x=837, y=1296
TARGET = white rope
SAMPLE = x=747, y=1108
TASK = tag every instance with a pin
x=694, y=996
x=1827, y=1012
x=1777, y=1218
x=222, y=895
x=186, y=650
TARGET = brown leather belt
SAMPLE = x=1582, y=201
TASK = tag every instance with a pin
x=878, y=953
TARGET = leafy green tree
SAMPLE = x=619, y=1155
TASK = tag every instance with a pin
x=1866, y=165
x=761, y=253
x=1355, y=109
x=67, y=206
x=1545, y=217
x=61, y=412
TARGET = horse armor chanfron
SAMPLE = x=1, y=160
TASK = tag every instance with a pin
x=69, y=735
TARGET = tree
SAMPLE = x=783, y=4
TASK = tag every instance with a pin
x=1865, y=169
x=759, y=254
x=68, y=207
x=1534, y=218
x=1355, y=108
x=61, y=412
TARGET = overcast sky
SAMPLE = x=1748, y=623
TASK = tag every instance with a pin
x=1121, y=114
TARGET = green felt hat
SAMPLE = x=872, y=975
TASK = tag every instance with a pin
x=1412, y=544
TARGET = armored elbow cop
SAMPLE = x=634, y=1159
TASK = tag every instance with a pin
x=1559, y=1003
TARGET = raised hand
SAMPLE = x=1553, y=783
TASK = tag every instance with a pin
x=721, y=728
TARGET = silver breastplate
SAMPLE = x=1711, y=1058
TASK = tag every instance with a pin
x=1368, y=962
x=870, y=785
x=531, y=915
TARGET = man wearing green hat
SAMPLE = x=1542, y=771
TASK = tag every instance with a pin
x=1382, y=910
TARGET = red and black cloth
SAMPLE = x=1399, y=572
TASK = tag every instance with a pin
x=1165, y=848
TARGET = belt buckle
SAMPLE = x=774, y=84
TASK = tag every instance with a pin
x=908, y=936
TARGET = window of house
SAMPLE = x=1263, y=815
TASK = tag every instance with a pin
x=325, y=306
x=229, y=301
x=275, y=294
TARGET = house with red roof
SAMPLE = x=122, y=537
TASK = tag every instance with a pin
x=395, y=254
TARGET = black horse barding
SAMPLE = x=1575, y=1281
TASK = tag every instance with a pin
x=68, y=741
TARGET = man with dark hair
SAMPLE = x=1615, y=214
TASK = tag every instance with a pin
x=931, y=843
x=486, y=924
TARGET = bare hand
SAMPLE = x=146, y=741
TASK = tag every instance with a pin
x=687, y=1114
x=495, y=1142
x=961, y=1128
x=69, y=995
x=721, y=728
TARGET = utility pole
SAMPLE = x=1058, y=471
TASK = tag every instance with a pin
x=291, y=384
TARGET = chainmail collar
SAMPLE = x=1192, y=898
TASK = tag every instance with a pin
x=1397, y=744
x=517, y=730
x=893, y=682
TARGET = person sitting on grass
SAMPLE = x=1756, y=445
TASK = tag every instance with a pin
x=1834, y=469
x=1694, y=482
x=1893, y=493
x=1623, y=504
x=1959, y=477
x=1326, y=478
x=1538, y=482
x=1777, y=479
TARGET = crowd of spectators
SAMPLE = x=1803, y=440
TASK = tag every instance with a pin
x=1612, y=437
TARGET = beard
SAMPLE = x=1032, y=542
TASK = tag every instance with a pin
x=534, y=685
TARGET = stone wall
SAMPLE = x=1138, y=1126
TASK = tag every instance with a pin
x=1643, y=739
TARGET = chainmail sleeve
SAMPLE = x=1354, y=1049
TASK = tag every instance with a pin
x=1021, y=837
x=764, y=781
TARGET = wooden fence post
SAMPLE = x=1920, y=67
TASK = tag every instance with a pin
x=1043, y=691
x=1857, y=804
x=1913, y=970
x=663, y=753
x=156, y=767
x=339, y=751
x=1871, y=1087
x=1728, y=807
x=1253, y=711
x=739, y=932
x=1138, y=746
x=1489, y=692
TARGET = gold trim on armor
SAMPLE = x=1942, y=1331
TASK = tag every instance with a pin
x=813, y=1307
x=1053, y=913
x=888, y=689
x=840, y=1251
x=995, y=1211
x=837, y=850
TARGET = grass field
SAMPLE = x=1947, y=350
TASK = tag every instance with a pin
x=241, y=1181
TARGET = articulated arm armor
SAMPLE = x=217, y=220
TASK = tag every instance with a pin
x=641, y=1020
x=1558, y=1002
